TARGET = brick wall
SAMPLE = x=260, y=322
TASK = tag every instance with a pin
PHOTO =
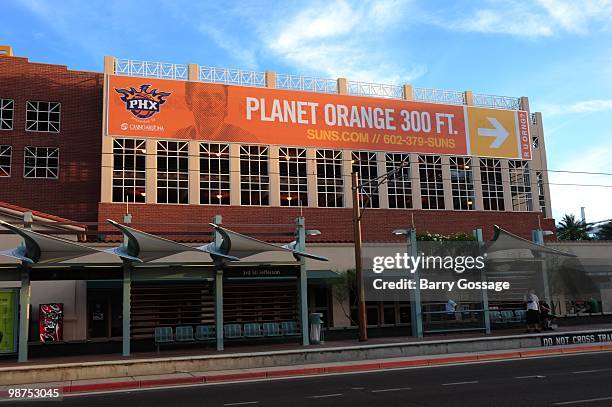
x=335, y=224
x=75, y=195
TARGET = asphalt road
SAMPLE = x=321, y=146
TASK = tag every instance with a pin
x=576, y=380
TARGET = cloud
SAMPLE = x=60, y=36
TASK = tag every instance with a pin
x=246, y=56
x=585, y=106
x=569, y=199
x=542, y=18
x=343, y=39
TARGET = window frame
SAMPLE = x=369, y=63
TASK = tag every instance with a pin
x=3, y=149
x=4, y=103
x=463, y=192
x=368, y=170
x=218, y=156
x=293, y=176
x=259, y=159
x=137, y=183
x=491, y=169
x=176, y=180
x=330, y=188
x=36, y=157
x=520, y=186
x=431, y=178
x=36, y=110
x=399, y=185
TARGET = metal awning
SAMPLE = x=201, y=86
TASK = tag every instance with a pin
x=44, y=249
x=238, y=246
x=504, y=240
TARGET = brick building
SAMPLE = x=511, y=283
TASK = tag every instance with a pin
x=60, y=155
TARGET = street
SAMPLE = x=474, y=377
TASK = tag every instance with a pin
x=576, y=380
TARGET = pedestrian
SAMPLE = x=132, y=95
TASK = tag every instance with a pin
x=546, y=316
x=533, y=312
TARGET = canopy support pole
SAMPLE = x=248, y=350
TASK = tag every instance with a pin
x=486, y=315
x=415, y=295
x=303, y=279
x=218, y=240
x=24, y=314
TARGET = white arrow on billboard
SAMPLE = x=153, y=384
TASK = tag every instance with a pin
x=498, y=132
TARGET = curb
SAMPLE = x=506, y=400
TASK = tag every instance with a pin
x=307, y=371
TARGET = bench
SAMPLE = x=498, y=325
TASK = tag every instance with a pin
x=205, y=332
x=163, y=335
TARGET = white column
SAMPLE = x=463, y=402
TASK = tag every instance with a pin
x=194, y=172
x=383, y=190
x=347, y=168
x=311, y=170
x=446, y=179
x=151, y=171
x=234, y=174
x=506, y=184
x=274, y=172
x=475, y=167
x=415, y=178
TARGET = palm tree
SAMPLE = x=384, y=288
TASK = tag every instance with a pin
x=605, y=231
x=572, y=229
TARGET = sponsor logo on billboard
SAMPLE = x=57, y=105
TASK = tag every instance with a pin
x=143, y=103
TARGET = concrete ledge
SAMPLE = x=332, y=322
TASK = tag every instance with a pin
x=178, y=379
x=478, y=349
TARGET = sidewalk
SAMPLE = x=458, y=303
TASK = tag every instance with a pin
x=238, y=348
x=304, y=370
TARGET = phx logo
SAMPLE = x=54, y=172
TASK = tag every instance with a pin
x=143, y=103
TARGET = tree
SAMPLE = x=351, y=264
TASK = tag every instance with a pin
x=344, y=289
x=605, y=231
x=572, y=229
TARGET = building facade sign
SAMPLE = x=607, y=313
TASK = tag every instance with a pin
x=171, y=109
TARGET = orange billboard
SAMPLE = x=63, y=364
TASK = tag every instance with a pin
x=170, y=109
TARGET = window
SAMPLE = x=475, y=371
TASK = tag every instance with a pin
x=172, y=172
x=214, y=174
x=330, y=184
x=254, y=176
x=129, y=170
x=492, y=184
x=293, y=176
x=541, y=192
x=365, y=165
x=6, y=114
x=520, y=185
x=462, y=183
x=5, y=160
x=399, y=183
x=535, y=142
x=432, y=185
x=43, y=116
x=41, y=162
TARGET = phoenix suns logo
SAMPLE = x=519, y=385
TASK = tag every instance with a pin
x=143, y=102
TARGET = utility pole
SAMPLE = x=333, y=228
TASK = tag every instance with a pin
x=363, y=323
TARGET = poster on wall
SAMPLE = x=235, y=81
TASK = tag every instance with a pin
x=8, y=321
x=161, y=108
x=51, y=322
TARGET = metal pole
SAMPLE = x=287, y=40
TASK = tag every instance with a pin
x=218, y=240
x=485, y=295
x=415, y=295
x=363, y=322
x=24, y=314
x=127, y=288
x=301, y=246
x=538, y=238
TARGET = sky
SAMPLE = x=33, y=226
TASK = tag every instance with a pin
x=556, y=52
